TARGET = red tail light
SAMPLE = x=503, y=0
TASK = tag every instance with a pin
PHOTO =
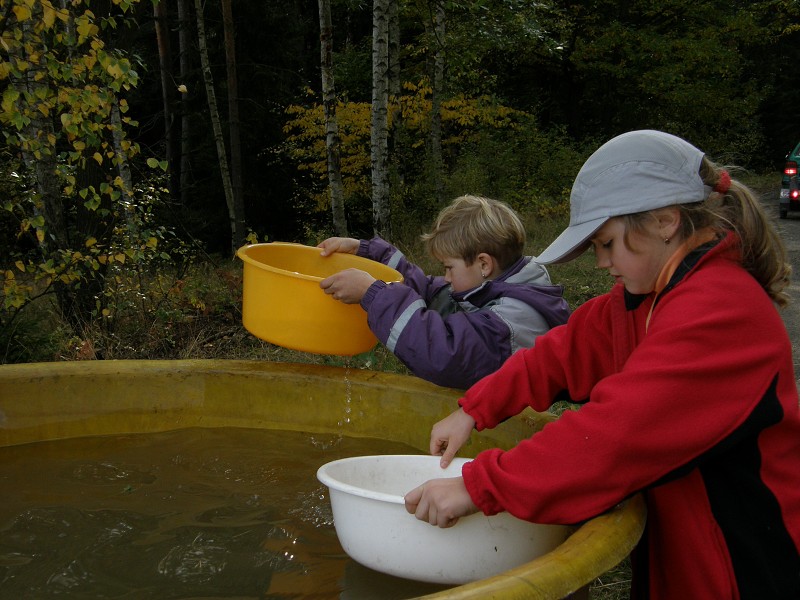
x=790, y=169
x=794, y=194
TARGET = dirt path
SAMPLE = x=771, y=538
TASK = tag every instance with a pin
x=790, y=232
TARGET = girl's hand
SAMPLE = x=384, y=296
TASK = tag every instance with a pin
x=440, y=502
x=338, y=244
x=449, y=434
x=347, y=286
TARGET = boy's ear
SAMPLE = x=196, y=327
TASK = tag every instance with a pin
x=487, y=264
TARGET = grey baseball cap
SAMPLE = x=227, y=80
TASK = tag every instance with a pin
x=631, y=173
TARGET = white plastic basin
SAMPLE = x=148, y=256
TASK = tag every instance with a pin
x=374, y=529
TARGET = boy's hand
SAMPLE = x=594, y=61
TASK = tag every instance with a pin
x=338, y=244
x=440, y=502
x=347, y=286
x=449, y=434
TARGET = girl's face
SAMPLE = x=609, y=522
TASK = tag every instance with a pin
x=460, y=276
x=638, y=264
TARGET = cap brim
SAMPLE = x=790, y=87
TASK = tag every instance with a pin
x=572, y=242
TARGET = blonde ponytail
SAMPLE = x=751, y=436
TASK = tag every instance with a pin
x=738, y=210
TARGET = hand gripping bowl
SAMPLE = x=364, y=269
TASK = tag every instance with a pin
x=283, y=304
x=374, y=528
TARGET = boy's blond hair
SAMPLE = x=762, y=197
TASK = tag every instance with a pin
x=471, y=225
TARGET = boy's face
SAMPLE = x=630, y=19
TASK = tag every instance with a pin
x=460, y=276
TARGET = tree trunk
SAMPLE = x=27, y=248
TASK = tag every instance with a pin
x=184, y=46
x=437, y=86
x=216, y=125
x=394, y=50
x=329, y=104
x=167, y=91
x=234, y=124
x=396, y=122
x=379, y=139
x=123, y=166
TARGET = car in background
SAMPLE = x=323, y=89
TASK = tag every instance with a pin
x=790, y=184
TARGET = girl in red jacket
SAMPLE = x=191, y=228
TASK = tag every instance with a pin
x=685, y=373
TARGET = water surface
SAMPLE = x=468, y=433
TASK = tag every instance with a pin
x=194, y=513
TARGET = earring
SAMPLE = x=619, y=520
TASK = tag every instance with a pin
x=485, y=275
x=666, y=240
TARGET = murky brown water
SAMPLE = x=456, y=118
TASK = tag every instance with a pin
x=197, y=513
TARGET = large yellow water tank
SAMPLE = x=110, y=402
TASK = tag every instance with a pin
x=49, y=401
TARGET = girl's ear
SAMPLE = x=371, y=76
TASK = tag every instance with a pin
x=669, y=221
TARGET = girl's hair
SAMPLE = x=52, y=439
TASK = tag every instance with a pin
x=471, y=225
x=738, y=210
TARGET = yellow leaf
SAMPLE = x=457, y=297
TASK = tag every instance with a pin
x=90, y=242
x=40, y=235
x=114, y=70
x=152, y=242
x=98, y=157
x=23, y=13
x=20, y=266
x=85, y=27
x=49, y=16
x=120, y=257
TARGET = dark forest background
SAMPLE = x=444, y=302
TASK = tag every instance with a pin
x=118, y=227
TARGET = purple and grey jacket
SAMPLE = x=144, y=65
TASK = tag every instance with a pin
x=455, y=339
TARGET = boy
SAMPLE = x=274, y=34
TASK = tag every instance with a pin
x=453, y=330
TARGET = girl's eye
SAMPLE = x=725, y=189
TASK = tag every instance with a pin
x=601, y=245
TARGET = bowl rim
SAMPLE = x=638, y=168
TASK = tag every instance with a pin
x=243, y=255
x=335, y=484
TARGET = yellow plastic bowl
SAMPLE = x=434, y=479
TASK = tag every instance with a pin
x=283, y=304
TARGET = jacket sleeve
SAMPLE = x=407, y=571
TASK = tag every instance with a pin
x=382, y=251
x=453, y=350
x=535, y=377
x=715, y=346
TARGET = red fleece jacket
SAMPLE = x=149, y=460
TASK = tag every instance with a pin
x=700, y=413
